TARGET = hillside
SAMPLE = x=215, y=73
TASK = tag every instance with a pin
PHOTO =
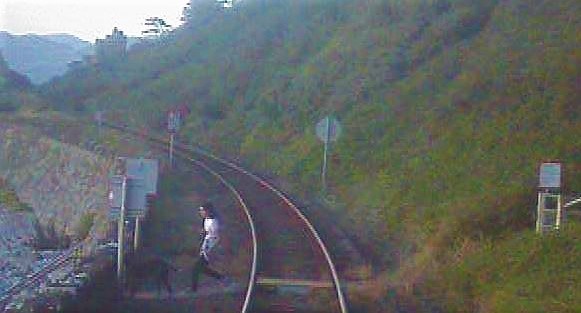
x=448, y=107
x=16, y=91
x=42, y=57
x=10, y=79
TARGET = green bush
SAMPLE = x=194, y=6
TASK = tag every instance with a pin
x=9, y=199
x=85, y=225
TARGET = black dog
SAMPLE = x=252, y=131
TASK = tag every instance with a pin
x=149, y=268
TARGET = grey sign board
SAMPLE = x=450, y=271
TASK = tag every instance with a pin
x=136, y=203
x=328, y=129
x=145, y=169
x=550, y=175
x=135, y=199
x=173, y=121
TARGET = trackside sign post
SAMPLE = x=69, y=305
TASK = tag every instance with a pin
x=550, y=176
x=118, y=185
x=328, y=129
x=128, y=200
x=174, y=120
x=550, y=200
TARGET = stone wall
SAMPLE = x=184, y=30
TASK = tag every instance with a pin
x=61, y=182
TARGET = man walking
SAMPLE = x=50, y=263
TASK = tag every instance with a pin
x=209, y=236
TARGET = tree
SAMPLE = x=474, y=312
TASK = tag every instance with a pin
x=157, y=27
x=187, y=12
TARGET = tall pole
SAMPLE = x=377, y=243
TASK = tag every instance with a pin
x=121, y=233
x=99, y=118
x=171, y=135
x=136, y=234
x=559, y=212
x=328, y=129
x=327, y=139
x=540, y=217
x=100, y=123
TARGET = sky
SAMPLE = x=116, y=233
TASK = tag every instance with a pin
x=86, y=19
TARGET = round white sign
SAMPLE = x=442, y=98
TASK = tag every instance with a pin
x=328, y=129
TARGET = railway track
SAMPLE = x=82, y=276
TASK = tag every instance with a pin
x=292, y=270
x=34, y=278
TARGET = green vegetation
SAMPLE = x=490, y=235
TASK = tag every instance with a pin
x=9, y=199
x=85, y=225
x=15, y=91
x=525, y=273
x=448, y=108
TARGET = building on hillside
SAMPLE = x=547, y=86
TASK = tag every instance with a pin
x=112, y=48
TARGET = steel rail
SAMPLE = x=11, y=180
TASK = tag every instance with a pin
x=36, y=276
x=252, y=279
x=261, y=181
x=296, y=210
x=163, y=143
x=335, y=276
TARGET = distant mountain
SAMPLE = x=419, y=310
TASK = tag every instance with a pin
x=15, y=90
x=42, y=57
x=10, y=79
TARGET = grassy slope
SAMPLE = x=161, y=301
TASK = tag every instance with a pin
x=523, y=273
x=448, y=107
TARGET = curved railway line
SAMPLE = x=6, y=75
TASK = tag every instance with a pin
x=288, y=252
x=291, y=270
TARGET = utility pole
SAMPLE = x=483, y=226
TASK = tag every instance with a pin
x=173, y=125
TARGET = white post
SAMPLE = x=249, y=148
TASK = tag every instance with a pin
x=121, y=234
x=136, y=236
x=171, y=135
x=324, y=171
x=540, y=213
x=559, y=211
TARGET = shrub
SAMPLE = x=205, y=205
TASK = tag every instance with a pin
x=85, y=225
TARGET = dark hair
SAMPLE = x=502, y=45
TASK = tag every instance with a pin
x=209, y=208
